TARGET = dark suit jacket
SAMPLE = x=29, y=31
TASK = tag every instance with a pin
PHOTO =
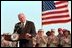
x=29, y=28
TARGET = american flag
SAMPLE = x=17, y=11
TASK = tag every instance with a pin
x=55, y=12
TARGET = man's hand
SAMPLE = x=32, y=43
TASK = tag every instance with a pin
x=66, y=40
x=27, y=36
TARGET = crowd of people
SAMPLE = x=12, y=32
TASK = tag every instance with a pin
x=63, y=39
x=6, y=43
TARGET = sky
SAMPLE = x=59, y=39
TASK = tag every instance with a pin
x=32, y=11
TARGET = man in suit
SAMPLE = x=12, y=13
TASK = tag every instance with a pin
x=25, y=27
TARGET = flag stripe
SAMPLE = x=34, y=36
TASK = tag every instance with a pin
x=46, y=16
x=62, y=7
x=60, y=2
x=52, y=17
x=54, y=12
x=59, y=14
x=57, y=21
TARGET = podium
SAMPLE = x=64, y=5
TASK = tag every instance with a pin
x=20, y=36
x=7, y=37
x=15, y=37
x=6, y=41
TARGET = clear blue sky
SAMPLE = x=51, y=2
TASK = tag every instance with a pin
x=32, y=10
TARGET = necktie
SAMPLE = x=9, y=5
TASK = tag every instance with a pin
x=22, y=25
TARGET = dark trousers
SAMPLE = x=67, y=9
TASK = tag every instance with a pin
x=25, y=43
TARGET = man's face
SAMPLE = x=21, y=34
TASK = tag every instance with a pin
x=66, y=33
x=21, y=17
x=41, y=33
x=60, y=32
x=52, y=33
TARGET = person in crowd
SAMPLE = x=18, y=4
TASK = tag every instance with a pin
x=60, y=35
x=52, y=39
x=48, y=33
x=41, y=39
x=66, y=39
x=5, y=43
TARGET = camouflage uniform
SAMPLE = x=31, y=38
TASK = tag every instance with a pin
x=66, y=42
x=52, y=41
x=40, y=41
x=59, y=39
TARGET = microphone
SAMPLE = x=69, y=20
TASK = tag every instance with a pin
x=18, y=26
x=15, y=35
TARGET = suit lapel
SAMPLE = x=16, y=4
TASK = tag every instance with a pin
x=25, y=27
